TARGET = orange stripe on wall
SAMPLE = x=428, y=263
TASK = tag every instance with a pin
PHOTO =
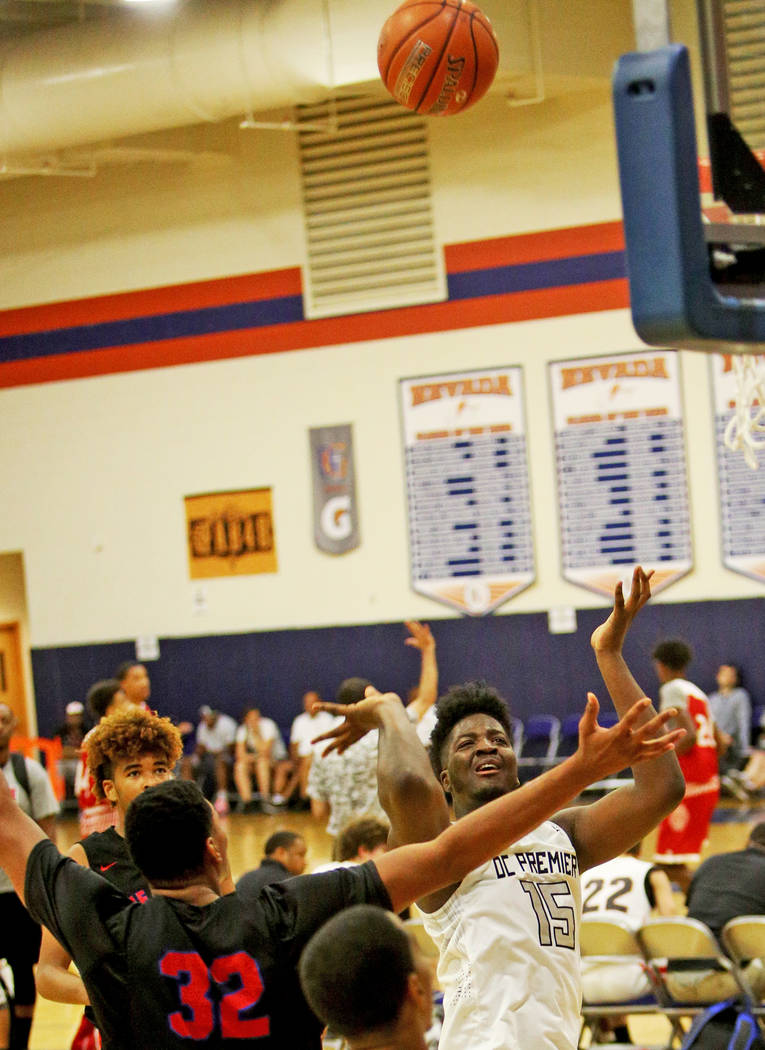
x=169, y=299
x=534, y=247
x=383, y=324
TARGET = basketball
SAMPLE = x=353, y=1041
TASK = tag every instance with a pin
x=437, y=57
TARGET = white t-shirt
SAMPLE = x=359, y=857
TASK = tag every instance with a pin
x=268, y=731
x=41, y=802
x=219, y=737
x=305, y=727
x=617, y=889
x=509, y=953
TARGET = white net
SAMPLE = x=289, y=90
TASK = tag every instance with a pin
x=745, y=431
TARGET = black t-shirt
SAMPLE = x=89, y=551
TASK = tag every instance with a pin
x=108, y=855
x=167, y=975
x=728, y=885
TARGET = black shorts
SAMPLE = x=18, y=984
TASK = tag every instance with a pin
x=20, y=938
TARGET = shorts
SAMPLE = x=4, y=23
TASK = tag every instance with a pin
x=20, y=938
x=684, y=831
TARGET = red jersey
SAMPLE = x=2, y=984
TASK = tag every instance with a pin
x=699, y=765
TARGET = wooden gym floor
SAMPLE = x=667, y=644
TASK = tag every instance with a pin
x=55, y=1024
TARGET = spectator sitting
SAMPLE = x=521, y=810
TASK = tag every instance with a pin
x=71, y=734
x=210, y=764
x=260, y=747
x=285, y=856
x=305, y=728
x=628, y=889
x=361, y=839
x=731, y=884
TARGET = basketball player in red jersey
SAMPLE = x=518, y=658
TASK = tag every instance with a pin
x=128, y=751
x=684, y=831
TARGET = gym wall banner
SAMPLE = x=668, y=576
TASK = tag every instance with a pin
x=467, y=481
x=742, y=490
x=230, y=534
x=620, y=453
x=335, y=517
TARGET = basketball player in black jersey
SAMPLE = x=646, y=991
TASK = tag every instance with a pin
x=127, y=752
x=191, y=966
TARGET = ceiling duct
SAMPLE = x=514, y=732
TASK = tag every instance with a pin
x=134, y=70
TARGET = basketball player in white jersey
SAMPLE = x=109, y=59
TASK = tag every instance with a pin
x=628, y=889
x=507, y=933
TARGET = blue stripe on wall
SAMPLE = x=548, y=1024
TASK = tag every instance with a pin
x=528, y=277
x=152, y=329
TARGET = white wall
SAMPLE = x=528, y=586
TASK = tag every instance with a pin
x=98, y=468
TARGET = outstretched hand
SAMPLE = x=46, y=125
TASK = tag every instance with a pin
x=359, y=719
x=420, y=635
x=607, y=751
x=609, y=637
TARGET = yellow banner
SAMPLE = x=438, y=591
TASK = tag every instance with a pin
x=230, y=534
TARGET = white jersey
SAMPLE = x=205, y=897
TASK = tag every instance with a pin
x=509, y=950
x=617, y=889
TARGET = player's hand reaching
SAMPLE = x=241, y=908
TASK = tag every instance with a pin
x=359, y=718
x=609, y=637
x=605, y=752
x=420, y=635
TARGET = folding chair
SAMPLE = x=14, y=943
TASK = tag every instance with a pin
x=691, y=967
x=539, y=745
x=616, y=979
x=744, y=940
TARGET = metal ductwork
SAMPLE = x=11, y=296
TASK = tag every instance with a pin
x=134, y=70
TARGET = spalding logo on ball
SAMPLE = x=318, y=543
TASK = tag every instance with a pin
x=437, y=57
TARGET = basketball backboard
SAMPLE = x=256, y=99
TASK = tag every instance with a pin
x=696, y=263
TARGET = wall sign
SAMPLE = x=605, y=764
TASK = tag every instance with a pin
x=620, y=455
x=742, y=490
x=230, y=534
x=470, y=535
x=335, y=518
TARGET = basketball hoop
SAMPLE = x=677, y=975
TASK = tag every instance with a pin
x=745, y=431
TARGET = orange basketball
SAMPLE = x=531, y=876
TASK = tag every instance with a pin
x=437, y=56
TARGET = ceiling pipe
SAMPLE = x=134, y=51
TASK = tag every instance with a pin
x=138, y=71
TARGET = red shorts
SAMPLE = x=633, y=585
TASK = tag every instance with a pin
x=684, y=831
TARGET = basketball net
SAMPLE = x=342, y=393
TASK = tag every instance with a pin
x=745, y=431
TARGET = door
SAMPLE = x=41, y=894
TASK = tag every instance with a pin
x=12, y=691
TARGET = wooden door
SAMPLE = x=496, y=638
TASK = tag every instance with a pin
x=12, y=690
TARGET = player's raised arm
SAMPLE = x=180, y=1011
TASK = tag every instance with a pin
x=409, y=792
x=417, y=870
x=614, y=823
x=19, y=834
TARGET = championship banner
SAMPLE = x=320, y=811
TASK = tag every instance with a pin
x=467, y=478
x=620, y=456
x=230, y=534
x=335, y=519
x=742, y=490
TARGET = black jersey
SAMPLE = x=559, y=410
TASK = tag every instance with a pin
x=167, y=975
x=108, y=854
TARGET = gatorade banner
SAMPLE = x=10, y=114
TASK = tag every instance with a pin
x=467, y=480
x=335, y=517
x=620, y=457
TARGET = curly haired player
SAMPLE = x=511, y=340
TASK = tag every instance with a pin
x=126, y=752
